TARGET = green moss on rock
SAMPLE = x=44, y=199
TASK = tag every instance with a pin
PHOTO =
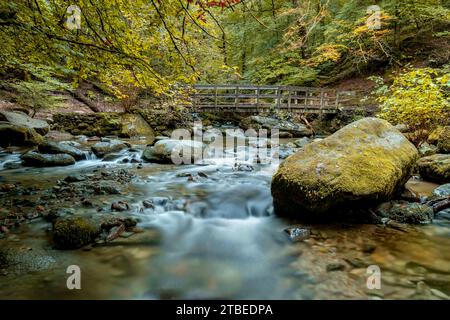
x=444, y=140
x=435, y=168
x=13, y=135
x=74, y=232
x=364, y=162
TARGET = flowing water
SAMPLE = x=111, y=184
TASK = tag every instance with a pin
x=212, y=234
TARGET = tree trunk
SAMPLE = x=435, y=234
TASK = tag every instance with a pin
x=78, y=94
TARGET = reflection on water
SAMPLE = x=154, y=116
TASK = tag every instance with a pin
x=211, y=233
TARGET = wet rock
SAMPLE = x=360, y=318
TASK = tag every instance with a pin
x=56, y=213
x=71, y=143
x=111, y=222
x=300, y=143
x=115, y=232
x=174, y=151
x=435, y=168
x=13, y=135
x=444, y=140
x=120, y=206
x=397, y=226
x=409, y=195
x=74, y=232
x=297, y=234
x=202, y=174
x=243, y=167
x=7, y=187
x=366, y=161
x=405, y=212
x=23, y=120
x=335, y=267
x=285, y=135
x=11, y=165
x=356, y=263
x=74, y=178
x=148, y=204
x=426, y=149
x=112, y=156
x=102, y=148
x=260, y=122
x=126, y=234
x=34, y=159
x=442, y=191
x=283, y=154
x=155, y=201
x=50, y=147
x=106, y=188
x=87, y=203
x=368, y=247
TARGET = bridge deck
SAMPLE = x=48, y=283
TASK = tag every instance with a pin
x=255, y=98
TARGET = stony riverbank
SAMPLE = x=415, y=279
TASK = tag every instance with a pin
x=116, y=208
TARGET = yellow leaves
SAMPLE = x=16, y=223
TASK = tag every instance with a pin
x=417, y=98
x=327, y=52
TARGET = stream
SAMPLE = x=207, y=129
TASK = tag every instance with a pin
x=212, y=234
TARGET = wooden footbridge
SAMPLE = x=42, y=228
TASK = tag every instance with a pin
x=260, y=98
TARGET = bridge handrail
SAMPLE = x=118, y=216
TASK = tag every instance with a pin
x=286, y=97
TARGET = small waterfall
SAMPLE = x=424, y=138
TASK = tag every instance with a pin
x=89, y=155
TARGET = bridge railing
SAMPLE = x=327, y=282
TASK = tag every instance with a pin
x=257, y=98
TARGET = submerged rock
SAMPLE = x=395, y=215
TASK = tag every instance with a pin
x=187, y=150
x=405, y=212
x=102, y=148
x=74, y=232
x=364, y=162
x=34, y=159
x=435, y=168
x=297, y=234
x=22, y=120
x=61, y=148
x=112, y=156
x=14, y=135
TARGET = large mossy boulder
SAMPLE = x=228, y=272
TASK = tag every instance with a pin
x=106, y=146
x=74, y=232
x=34, y=159
x=22, y=120
x=435, y=168
x=364, y=163
x=174, y=151
x=51, y=147
x=133, y=125
x=14, y=135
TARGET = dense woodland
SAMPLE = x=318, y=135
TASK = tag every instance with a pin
x=126, y=46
